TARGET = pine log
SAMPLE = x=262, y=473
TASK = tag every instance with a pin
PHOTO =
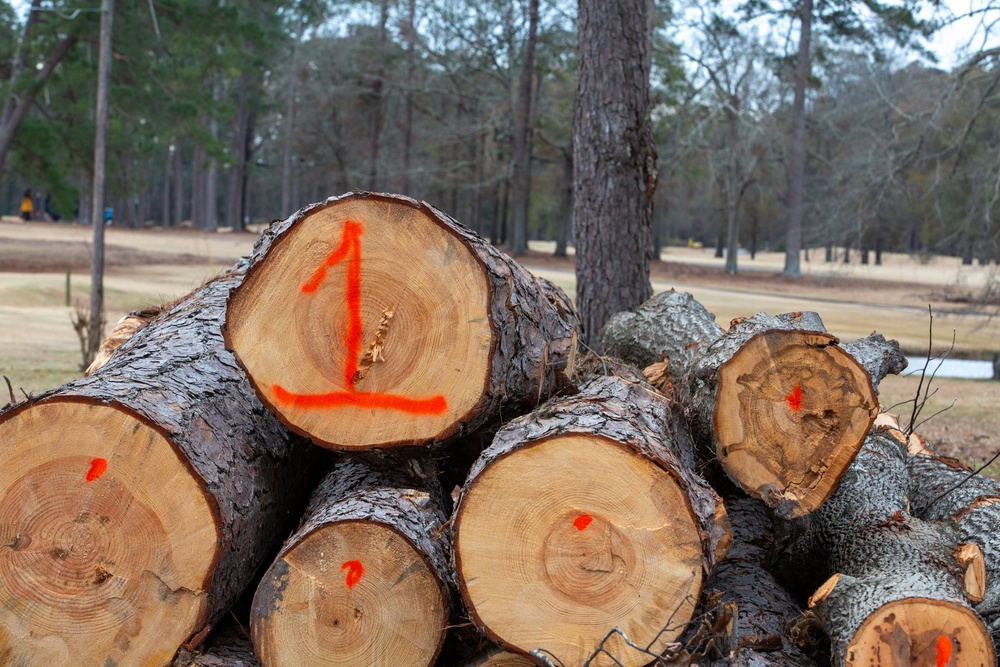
x=500, y=658
x=363, y=581
x=584, y=516
x=765, y=609
x=774, y=399
x=894, y=592
x=946, y=490
x=137, y=503
x=370, y=321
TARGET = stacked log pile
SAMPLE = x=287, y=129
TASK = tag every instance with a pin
x=700, y=495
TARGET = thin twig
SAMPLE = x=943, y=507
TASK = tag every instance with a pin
x=10, y=390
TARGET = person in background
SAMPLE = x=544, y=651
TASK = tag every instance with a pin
x=27, y=205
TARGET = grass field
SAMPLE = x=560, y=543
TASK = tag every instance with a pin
x=39, y=349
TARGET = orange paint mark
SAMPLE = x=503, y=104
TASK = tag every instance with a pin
x=349, y=249
x=435, y=405
x=582, y=521
x=943, y=651
x=795, y=398
x=97, y=468
x=354, y=571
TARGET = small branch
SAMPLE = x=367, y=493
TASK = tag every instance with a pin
x=966, y=478
x=10, y=390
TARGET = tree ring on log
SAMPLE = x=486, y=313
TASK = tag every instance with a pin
x=368, y=322
x=787, y=399
x=350, y=593
x=107, y=538
x=550, y=555
x=920, y=631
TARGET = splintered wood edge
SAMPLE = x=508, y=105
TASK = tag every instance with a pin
x=746, y=456
x=96, y=474
x=970, y=557
x=921, y=631
x=437, y=389
x=823, y=591
x=535, y=588
x=363, y=571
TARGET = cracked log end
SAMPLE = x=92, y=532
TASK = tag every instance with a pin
x=792, y=410
x=916, y=631
x=502, y=659
x=350, y=593
x=106, y=539
x=563, y=539
x=310, y=312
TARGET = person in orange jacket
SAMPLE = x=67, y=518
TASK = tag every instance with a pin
x=27, y=205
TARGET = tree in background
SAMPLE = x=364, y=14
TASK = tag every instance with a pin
x=614, y=161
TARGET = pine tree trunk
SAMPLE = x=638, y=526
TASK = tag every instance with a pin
x=614, y=161
x=895, y=592
x=405, y=330
x=551, y=552
x=774, y=399
x=145, y=497
x=364, y=579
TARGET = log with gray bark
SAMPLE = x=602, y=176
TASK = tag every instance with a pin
x=946, y=490
x=583, y=516
x=888, y=588
x=774, y=399
x=137, y=503
x=364, y=579
x=371, y=321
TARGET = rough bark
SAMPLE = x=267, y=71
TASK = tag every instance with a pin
x=945, y=490
x=386, y=531
x=614, y=161
x=134, y=570
x=543, y=520
x=466, y=333
x=895, y=586
x=765, y=609
x=773, y=399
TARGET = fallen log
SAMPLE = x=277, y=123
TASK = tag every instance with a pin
x=946, y=490
x=774, y=399
x=371, y=321
x=363, y=580
x=582, y=517
x=137, y=503
x=894, y=589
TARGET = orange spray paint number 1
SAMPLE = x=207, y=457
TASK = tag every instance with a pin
x=582, y=521
x=354, y=571
x=943, y=651
x=349, y=252
x=97, y=468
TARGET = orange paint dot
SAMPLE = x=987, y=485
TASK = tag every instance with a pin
x=943, y=651
x=97, y=468
x=354, y=571
x=795, y=398
x=582, y=521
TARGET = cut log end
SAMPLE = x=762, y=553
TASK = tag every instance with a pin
x=371, y=311
x=917, y=631
x=503, y=659
x=105, y=531
x=551, y=550
x=351, y=593
x=823, y=591
x=792, y=410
